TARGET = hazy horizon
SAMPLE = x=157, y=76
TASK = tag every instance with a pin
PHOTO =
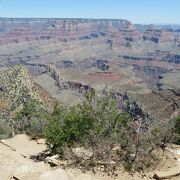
x=137, y=11
x=163, y=24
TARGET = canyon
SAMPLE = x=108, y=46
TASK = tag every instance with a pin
x=69, y=57
x=50, y=60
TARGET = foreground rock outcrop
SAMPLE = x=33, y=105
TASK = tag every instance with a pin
x=15, y=162
x=15, y=158
x=17, y=87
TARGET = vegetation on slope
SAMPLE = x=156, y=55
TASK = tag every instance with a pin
x=31, y=119
x=98, y=125
x=177, y=129
x=18, y=94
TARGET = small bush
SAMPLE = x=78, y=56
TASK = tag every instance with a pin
x=94, y=118
x=31, y=119
x=5, y=131
x=177, y=129
x=98, y=124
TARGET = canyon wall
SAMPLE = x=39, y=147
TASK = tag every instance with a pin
x=88, y=44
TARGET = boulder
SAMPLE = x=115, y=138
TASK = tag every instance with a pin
x=41, y=141
x=58, y=174
x=54, y=160
x=82, y=152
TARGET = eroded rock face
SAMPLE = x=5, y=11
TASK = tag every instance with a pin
x=69, y=29
x=62, y=42
x=158, y=35
x=17, y=87
x=156, y=107
x=80, y=55
x=159, y=106
x=170, y=80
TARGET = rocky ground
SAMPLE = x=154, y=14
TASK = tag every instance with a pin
x=15, y=163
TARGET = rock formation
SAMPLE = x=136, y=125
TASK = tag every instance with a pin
x=16, y=88
x=85, y=54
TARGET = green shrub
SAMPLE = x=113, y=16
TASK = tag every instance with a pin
x=54, y=132
x=96, y=117
x=4, y=130
x=98, y=124
x=177, y=129
x=31, y=119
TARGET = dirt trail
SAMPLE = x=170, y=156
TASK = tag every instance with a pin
x=14, y=161
x=14, y=158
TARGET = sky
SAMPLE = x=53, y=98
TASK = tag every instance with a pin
x=137, y=11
